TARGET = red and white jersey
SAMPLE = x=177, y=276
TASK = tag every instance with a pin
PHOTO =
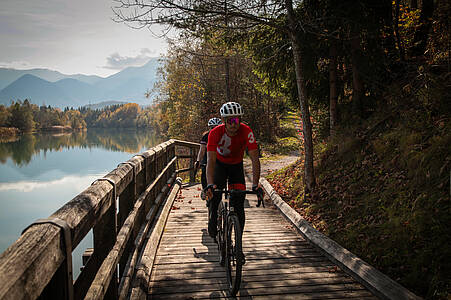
x=230, y=149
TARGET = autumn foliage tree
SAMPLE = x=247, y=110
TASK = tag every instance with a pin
x=193, y=88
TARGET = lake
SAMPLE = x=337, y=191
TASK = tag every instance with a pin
x=39, y=173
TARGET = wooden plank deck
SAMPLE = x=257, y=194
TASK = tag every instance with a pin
x=280, y=264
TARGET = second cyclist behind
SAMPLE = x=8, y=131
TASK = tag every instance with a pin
x=202, y=155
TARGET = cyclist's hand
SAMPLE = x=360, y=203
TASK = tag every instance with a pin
x=260, y=194
x=209, y=190
x=257, y=188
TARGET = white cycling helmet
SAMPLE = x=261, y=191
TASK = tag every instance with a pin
x=230, y=109
x=214, y=122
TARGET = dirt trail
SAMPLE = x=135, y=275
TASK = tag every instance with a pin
x=269, y=166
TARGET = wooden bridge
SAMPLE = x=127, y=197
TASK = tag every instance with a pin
x=150, y=241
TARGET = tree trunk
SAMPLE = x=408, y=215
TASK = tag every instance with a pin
x=333, y=96
x=398, y=38
x=227, y=79
x=227, y=62
x=421, y=35
x=309, y=175
x=384, y=11
x=357, y=83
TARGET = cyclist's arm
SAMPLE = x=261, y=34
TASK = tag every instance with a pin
x=211, y=162
x=253, y=154
x=202, y=149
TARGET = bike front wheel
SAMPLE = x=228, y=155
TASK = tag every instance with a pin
x=220, y=237
x=234, y=253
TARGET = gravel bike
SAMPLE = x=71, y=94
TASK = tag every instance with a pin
x=229, y=237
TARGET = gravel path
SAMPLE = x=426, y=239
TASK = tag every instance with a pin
x=269, y=166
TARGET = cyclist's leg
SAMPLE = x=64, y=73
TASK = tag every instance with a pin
x=203, y=177
x=220, y=178
x=203, y=180
x=237, y=182
x=238, y=204
x=213, y=216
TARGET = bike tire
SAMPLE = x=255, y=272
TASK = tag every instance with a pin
x=233, y=259
x=220, y=236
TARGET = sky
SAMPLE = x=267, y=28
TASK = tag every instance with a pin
x=72, y=37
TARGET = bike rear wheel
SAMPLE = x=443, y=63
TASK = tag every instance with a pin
x=234, y=259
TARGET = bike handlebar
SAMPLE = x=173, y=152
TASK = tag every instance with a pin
x=259, y=192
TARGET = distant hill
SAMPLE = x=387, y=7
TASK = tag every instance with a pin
x=48, y=87
x=36, y=90
x=8, y=76
x=130, y=83
x=78, y=90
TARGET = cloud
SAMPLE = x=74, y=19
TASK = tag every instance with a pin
x=117, y=62
x=28, y=186
x=20, y=65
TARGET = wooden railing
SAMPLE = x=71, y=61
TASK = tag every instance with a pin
x=119, y=208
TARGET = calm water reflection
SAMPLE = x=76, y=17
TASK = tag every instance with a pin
x=40, y=173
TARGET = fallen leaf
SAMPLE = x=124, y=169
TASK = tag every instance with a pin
x=333, y=269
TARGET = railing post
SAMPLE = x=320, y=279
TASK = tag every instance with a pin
x=160, y=163
x=104, y=239
x=61, y=285
x=191, y=165
x=57, y=287
x=171, y=156
x=127, y=200
x=141, y=184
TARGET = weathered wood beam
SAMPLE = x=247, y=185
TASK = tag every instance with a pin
x=186, y=156
x=183, y=170
x=83, y=211
x=141, y=282
x=27, y=266
x=185, y=143
x=126, y=278
x=108, y=267
x=36, y=255
x=139, y=241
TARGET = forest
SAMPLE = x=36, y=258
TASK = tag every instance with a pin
x=24, y=117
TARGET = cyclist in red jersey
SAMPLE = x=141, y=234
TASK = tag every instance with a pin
x=225, y=151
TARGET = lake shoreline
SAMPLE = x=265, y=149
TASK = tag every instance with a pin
x=12, y=132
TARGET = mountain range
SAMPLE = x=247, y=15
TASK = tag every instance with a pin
x=47, y=87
